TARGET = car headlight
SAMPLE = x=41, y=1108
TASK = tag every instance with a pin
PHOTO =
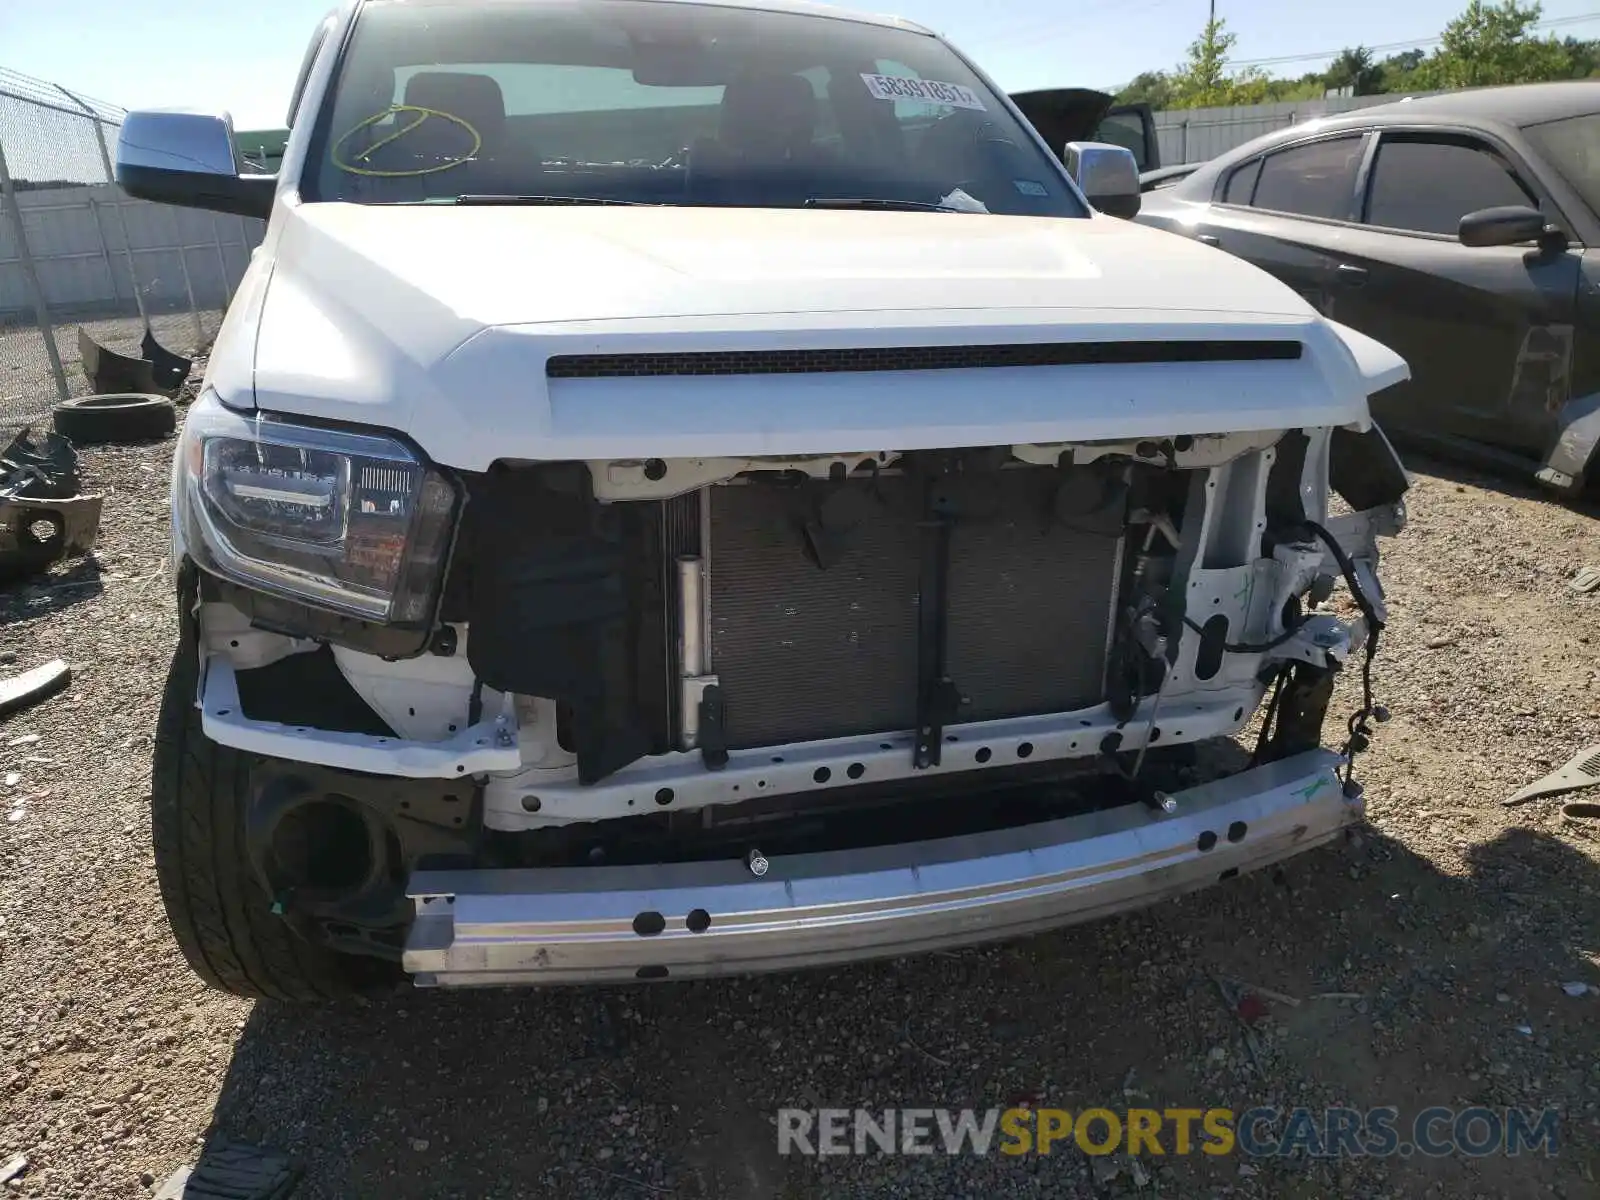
x=352, y=522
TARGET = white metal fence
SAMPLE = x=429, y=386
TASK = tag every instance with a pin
x=1196, y=134
x=75, y=251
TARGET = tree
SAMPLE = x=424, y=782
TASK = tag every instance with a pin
x=1148, y=87
x=1355, y=69
x=1203, y=79
x=1493, y=44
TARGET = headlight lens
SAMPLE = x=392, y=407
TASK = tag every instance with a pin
x=352, y=522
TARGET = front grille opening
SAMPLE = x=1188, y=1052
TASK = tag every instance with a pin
x=914, y=358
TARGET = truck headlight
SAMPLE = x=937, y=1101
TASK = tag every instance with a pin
x=352, y=522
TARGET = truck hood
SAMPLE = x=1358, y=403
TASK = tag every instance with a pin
x=438, y=322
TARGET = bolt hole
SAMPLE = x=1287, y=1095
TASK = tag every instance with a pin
x=411, y=711
x=234, y=643
x=821, y=775
x=777, y=758
x=1155, y=733
x=855, y=770
x=460, y=768
x=885, y=746
x=1238, y=714
x=655, y=470
x=698, y=920
x=649, y=923
x=1073, y=745
x=760, y=783
x=532, y=804
x=222, y=712
x=455, y=820
x=452, y=729
x=950, y=737
x=664, y=796
x=1025, y=750
x=1230, y=873
x=651, y=972
x=1237, y=830
x=1086, y=724
x=984, y=754
x=407, y=804
x=1207, y=841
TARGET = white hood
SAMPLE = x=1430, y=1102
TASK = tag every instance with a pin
x=438, y=321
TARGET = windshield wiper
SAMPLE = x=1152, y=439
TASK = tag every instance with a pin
x=876, y=202
x=493, y=198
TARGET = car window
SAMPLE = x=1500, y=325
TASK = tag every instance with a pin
x=1242, y=184
x=1125, y=130
x=1314, y=180
x=1572, y=145
x=696, y=104
x=1428, y=186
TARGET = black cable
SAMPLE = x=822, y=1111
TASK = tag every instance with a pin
x=1359, y=732
x=1269, y=716
x=1247, y=647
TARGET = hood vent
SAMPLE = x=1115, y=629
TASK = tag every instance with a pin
x=912, y=358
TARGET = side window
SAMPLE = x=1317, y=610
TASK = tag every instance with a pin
x=1314, y=180
x=305, y=69
x=1242, y=184
x=1428, y=186
x=1126, y=130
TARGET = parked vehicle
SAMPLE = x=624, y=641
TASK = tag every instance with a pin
x=1453, y=228
x=1063, y=115
x=695, y=488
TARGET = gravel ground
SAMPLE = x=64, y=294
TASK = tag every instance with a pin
x=1452, y=921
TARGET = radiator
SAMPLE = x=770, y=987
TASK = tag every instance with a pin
x=804, y=653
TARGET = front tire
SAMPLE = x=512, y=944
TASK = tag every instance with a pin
x=220, y=914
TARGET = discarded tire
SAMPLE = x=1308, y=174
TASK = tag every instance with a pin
x=130, y=417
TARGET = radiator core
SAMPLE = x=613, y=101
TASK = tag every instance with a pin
x=804, y=653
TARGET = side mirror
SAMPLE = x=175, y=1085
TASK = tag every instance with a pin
x=1509, y=225
x=1107, y=175
x=188, y=159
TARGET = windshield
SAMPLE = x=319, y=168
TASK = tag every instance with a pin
x=1573, y=147
x=666, y=103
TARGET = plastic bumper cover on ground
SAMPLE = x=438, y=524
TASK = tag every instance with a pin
x=593, y=924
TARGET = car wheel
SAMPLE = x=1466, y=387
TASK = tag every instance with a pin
x=130, y=417
x=220, y=914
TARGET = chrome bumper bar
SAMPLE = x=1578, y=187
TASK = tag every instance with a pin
x=596, y=924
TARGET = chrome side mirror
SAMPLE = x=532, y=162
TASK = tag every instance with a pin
x=188, y=159
x=1107, y=175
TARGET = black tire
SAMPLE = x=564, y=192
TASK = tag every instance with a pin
x=115, y=418
x=220, y=915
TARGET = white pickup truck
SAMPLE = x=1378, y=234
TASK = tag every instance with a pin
x=689, y=488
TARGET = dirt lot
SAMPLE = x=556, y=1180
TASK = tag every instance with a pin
x=1452, y=923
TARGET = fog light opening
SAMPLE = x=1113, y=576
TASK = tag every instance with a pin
x=323, y=847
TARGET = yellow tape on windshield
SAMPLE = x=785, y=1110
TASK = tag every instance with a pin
x=423, y=114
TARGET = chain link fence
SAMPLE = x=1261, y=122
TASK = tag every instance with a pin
x=76, y=253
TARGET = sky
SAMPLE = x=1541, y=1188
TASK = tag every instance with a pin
x=242, y=55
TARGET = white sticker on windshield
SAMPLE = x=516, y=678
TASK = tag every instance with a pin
x=931, y=91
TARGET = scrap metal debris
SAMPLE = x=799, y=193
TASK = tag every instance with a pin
x=42, y=516
x=1586, y=580
x=30, y=687
x=158, y=371
x=1582, y=772
x=14, y=1168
